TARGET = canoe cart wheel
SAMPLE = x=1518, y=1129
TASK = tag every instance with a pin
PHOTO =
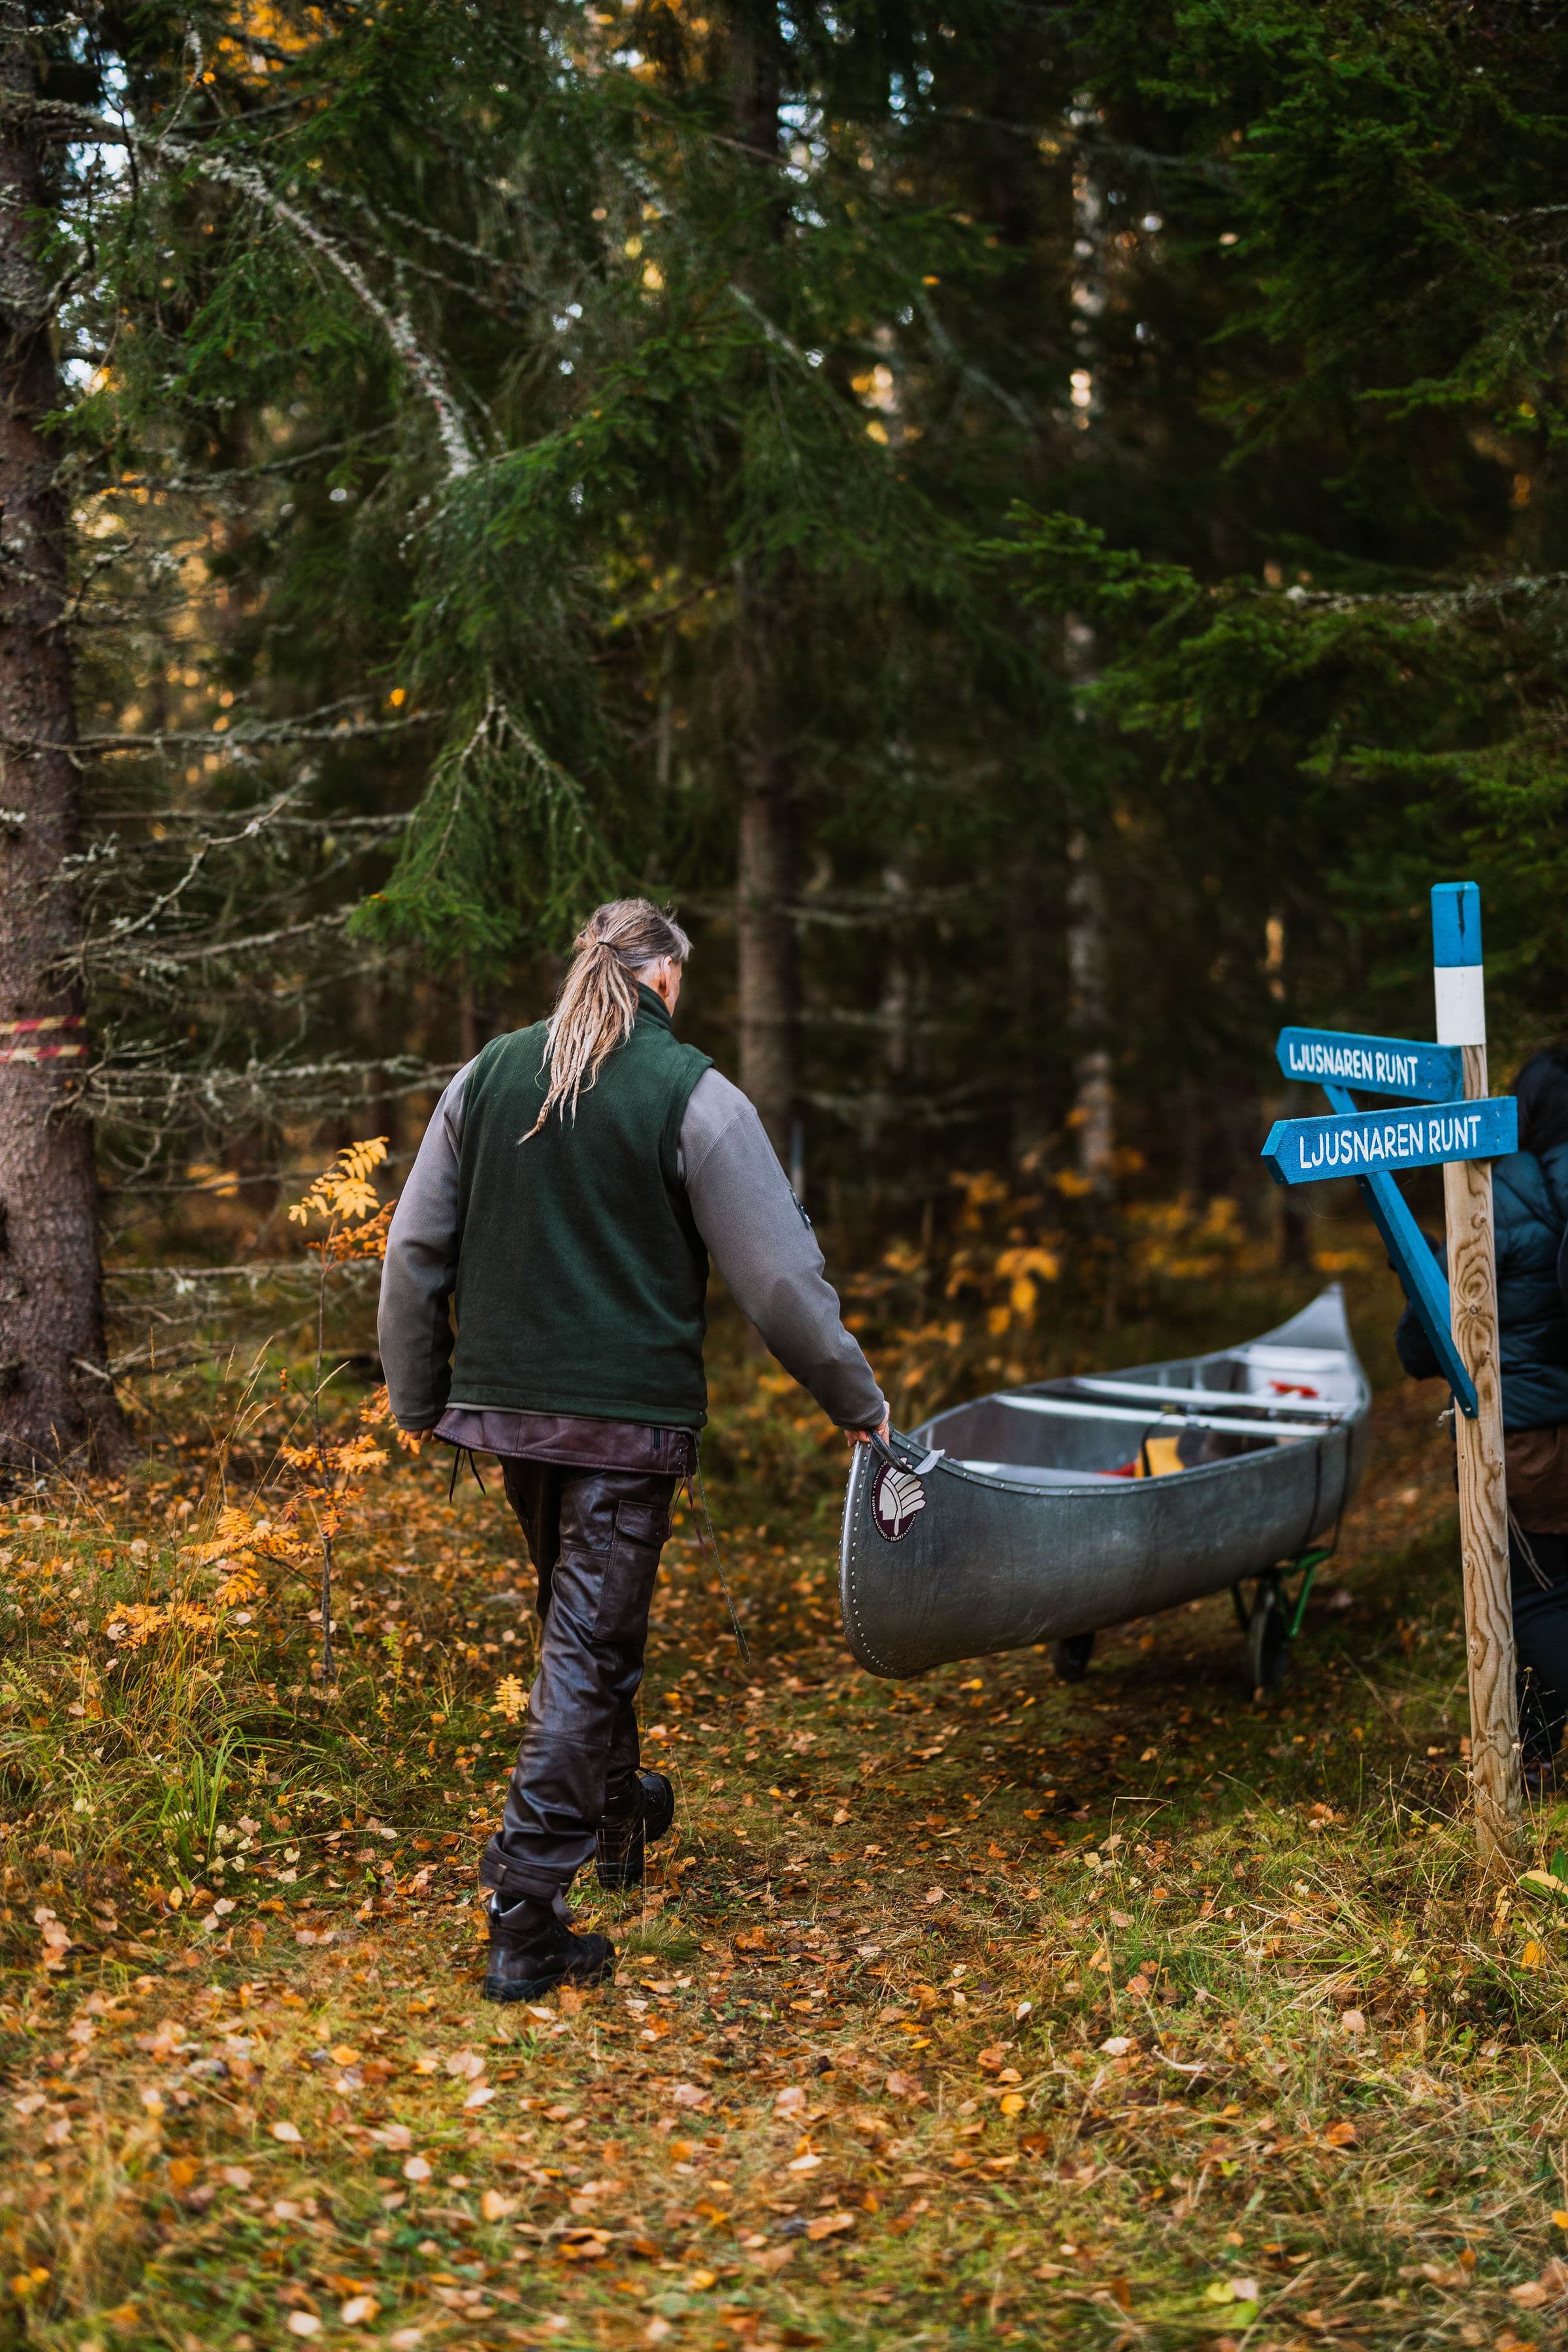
x=1070, y=1658
x=1274, y=1619
x=1268, y=1638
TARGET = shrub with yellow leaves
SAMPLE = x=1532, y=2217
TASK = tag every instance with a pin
x=291, y=1530
x=1012, y=1281
x=1004, y=1245
x=345, y=1199
x=356, y=1216
x=1187, y=1240
x=136, y=1625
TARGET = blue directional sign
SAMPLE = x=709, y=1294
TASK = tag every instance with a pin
x=1374, y=1142
x=1368, y=1145
x=1383, y=1065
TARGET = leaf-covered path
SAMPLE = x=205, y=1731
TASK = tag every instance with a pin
x=976, y=2010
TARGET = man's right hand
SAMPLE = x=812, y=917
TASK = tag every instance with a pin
x=864, y=1437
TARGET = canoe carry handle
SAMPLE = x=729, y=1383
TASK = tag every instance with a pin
x=912, y=1457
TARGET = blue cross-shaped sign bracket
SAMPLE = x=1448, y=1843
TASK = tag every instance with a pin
x=1421, y=1073
x=1424, y=1286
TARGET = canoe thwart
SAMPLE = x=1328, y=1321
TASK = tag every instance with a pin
x=1231, y=1423
x=1213, y=1400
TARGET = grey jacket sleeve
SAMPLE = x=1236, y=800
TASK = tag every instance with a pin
x=758, y=1237
x=413, y=1327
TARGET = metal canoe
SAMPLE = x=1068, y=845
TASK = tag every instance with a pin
x=1027, y=1525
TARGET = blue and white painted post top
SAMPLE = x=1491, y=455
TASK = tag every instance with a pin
x=1458, y=980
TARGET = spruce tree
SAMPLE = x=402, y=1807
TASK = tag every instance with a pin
x=55, y=1397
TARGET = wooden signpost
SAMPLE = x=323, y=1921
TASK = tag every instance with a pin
x=1483, y=1488
x=1462, y=1131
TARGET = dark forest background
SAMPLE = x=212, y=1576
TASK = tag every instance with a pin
x=1036, y=529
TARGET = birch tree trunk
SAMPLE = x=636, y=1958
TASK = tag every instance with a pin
x=1087, y=937
x=1094, y=1107
x=1031, y=977
x=55, y=1396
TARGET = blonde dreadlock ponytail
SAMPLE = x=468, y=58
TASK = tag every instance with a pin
x=598, y=1006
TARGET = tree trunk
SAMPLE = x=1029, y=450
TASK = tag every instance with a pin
x=764, y=928
x=755, y=67
x=1094, y=1107
x=765, y=922
x=1030, y=975
x=55, y=1396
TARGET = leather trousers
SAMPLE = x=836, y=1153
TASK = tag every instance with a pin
x=594, y=1537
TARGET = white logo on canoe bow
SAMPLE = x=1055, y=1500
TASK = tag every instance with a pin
x=896, y=1499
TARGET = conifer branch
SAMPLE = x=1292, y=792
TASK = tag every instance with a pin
x=80, y=123
x=394, y=325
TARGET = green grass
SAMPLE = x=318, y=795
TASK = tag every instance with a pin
x=1124, y=2013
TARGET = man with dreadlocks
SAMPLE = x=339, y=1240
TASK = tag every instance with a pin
x=570, y=1188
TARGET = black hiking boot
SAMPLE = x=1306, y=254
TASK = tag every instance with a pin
x=625, y=1837
x=532, y=1950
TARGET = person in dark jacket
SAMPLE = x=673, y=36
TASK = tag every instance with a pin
x=573, y=1183
x=1529, y=1202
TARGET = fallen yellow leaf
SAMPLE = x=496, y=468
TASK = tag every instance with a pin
x=827, y=2225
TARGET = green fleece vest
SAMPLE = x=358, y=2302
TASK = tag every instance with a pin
x=581, y=1274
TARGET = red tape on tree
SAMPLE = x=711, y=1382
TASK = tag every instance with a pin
x=40, y=1041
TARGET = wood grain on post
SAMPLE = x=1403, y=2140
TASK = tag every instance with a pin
x=1483, y=1487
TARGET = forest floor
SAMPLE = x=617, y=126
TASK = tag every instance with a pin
x=980, y=2010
